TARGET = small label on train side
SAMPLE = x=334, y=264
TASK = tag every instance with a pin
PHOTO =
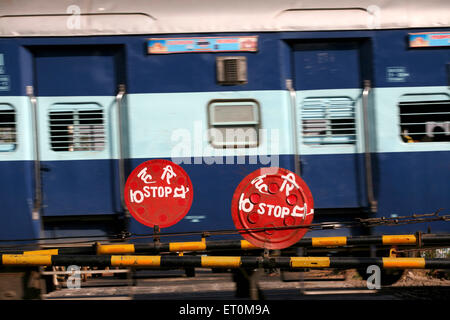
x=202, y=44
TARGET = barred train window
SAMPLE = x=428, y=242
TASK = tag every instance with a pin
x=233, y=123
x=77, y=129
x=426, y=119
x=328, y=121
x=8, y=134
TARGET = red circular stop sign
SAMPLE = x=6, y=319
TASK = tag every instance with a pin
x=158, y=193
x=268, y=198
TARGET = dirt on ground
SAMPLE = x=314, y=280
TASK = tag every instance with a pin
x=410, y=278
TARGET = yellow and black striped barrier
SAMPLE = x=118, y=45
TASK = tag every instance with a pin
x=316, y=242
x=204, y=245
x=169, y=261
x=207, y=245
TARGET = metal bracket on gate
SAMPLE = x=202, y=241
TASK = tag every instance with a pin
x=156, y=237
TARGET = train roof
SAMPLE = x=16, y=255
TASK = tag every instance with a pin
x=111, y=17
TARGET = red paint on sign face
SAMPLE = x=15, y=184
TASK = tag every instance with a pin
x=255, y=197
x=273, y=188
x=291, y=199
x=158, y=192
x=267, y=202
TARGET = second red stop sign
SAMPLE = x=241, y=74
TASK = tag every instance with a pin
x=269, y=198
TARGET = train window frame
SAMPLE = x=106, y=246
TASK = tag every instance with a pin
x=7, y=110
x=423, y=121
x=323, y=130
x=214, y=123
x=77, y=127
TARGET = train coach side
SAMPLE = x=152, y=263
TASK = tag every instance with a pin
x=360, y=112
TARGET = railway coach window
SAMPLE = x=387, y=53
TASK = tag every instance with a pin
x=328, y=121
x=425, y=118
x=76, y=129
x=234, y=123
x=8, y=140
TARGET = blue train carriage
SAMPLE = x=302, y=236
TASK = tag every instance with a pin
x=354, y=98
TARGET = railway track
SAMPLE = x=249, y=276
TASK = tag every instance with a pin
x=316, y=285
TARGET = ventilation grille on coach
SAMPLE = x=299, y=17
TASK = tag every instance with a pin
x=328, y=121
x=8, y=139
x=231, y=70
x=77, y=130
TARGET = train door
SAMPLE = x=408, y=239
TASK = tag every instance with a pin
x=76, y=90
x=332, y=83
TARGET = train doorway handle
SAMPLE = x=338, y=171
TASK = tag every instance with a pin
x=119, y=99
x=293, y=102
x=367, y=148
x=37, y=205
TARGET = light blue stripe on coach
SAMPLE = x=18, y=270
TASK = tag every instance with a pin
x=59, y=104
x=384, y=119
x=352, y=95
x=387, y=118
x=165, y=124
x=171, y=124
x=24, y=148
